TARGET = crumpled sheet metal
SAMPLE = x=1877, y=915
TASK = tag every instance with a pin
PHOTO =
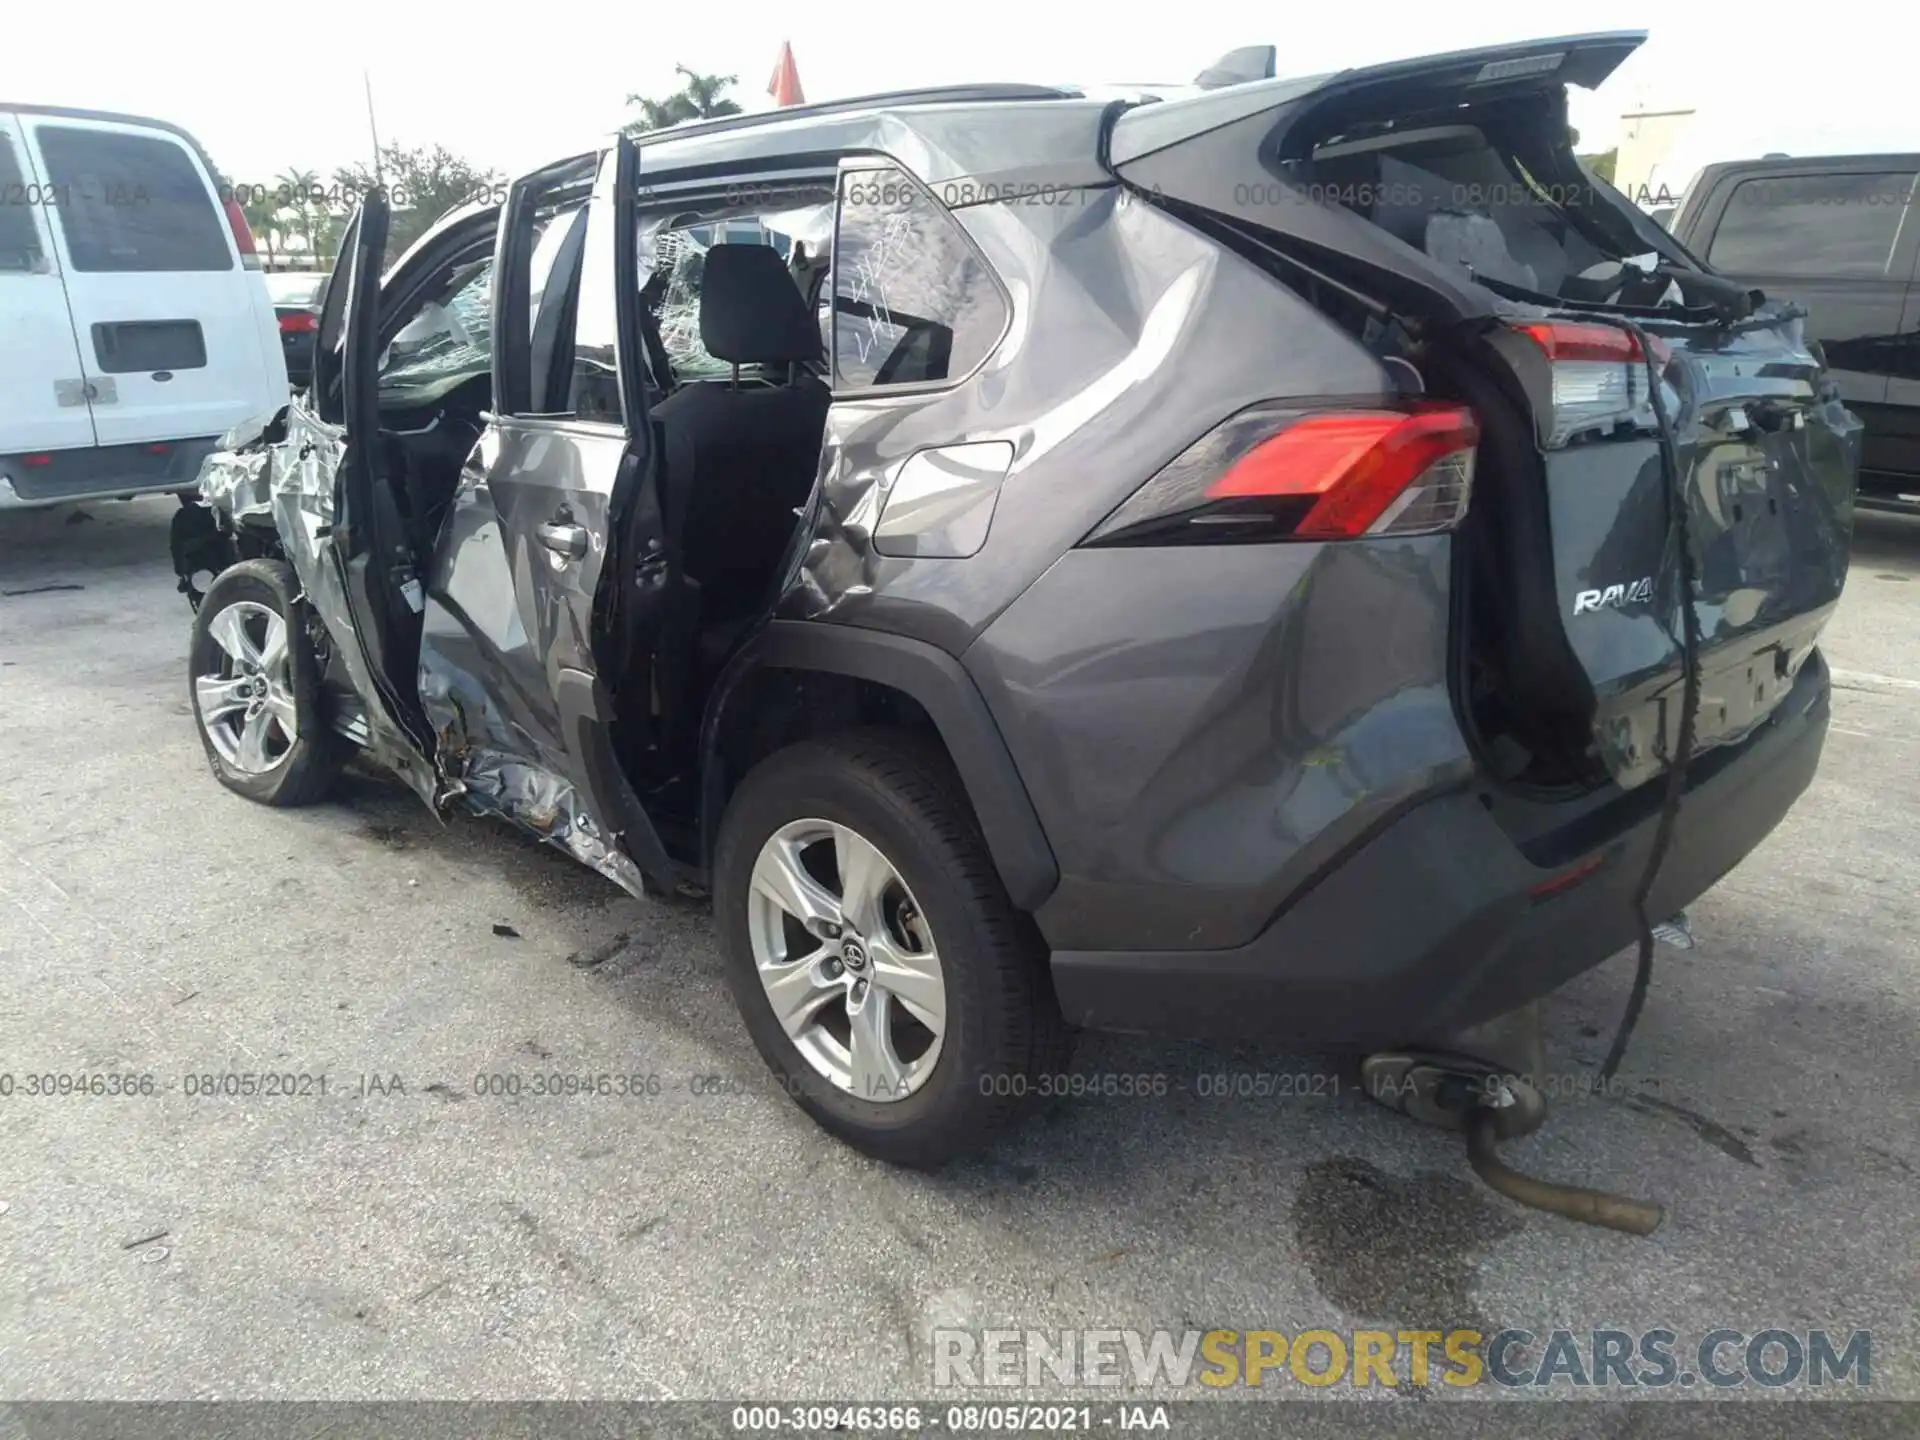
x=290, y=481
x=236, y=483
x=545, y=804
x=491, y=781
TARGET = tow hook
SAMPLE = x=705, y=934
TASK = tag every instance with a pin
x=1456, y=1092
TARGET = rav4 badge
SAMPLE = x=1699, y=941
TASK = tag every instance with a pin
x=1614, y=596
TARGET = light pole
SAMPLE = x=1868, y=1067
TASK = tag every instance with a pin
x=373, y=129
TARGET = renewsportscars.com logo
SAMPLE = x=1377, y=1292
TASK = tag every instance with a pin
x=1367, y=1359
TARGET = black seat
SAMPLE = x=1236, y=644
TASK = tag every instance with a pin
x=740, y=459
x=741, y=454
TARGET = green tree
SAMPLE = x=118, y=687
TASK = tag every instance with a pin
x=303, y=204
x=258, y=206
x=702, y=97
x=422, y=184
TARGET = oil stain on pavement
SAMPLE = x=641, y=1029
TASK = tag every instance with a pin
x=1405, y=1250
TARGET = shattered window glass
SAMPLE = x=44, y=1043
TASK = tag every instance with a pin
x=913, y=301
x=673, y=262
x=449, y=336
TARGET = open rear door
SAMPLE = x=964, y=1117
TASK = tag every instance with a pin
x=540, y=569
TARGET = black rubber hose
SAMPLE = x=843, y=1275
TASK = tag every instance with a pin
x=1679, y=535
x=1590, y=1207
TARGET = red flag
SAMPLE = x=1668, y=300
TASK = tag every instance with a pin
x=785, y=85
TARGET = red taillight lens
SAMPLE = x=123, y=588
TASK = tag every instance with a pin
x=299, y=322
x=1599, y=377
x=242, y=234
x=1276, y=473
x=36, y=460
x=1562, y=340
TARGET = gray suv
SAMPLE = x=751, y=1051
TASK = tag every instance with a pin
x=1299, y=559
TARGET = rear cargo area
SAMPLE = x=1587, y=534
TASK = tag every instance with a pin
x=1661, y=452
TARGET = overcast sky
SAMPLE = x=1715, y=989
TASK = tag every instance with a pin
x=265, y=93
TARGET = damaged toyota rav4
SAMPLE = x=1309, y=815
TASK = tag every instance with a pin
x=1297, y=559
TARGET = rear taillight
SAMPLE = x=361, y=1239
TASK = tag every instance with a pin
x=1599, y=377
x=1274, y=472
x=299, y=322
x=242, y=234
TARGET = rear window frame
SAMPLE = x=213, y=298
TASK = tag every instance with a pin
x=86, y=245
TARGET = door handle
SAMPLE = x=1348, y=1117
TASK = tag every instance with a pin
x=569, y=541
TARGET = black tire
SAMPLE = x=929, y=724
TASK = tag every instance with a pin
x=1004, y=1029
x=306, y=770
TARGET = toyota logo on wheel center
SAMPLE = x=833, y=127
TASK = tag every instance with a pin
x=853, y=953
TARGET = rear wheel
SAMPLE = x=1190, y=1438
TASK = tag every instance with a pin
x=255, y=685
x=882, y=971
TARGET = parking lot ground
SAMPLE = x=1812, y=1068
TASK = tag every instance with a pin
x=407, y=1235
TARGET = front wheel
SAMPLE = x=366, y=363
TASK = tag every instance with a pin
x=255, y=686
x=884, y=975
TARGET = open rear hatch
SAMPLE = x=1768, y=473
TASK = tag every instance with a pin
x=1437, y=207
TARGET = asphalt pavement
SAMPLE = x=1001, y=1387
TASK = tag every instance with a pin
x=394, y=1230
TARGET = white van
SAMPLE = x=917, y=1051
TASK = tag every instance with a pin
x=135, y=326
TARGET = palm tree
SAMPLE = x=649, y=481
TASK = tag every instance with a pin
x=258, y=206
x=702, y=93
x=299, y=192
x=654, y=114
x=699, y=99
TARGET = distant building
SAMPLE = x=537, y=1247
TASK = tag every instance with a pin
x=1643, y=170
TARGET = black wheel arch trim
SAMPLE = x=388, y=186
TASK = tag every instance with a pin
x=943, y=688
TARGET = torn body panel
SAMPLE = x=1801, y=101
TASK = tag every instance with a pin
x=500, y=782
x=1767, y=459
x=494, y=639
x=301, y=491
x=1147, y=333
x=495, y=757
x=237, y=484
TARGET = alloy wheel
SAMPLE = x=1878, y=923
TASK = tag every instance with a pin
x=246, y=703
x=847, y=959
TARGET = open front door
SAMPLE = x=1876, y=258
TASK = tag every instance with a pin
x=553, y=526
x=362, y=578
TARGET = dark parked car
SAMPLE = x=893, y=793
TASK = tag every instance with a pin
x=1841, y=236
x=296, y=302
x=1242, y=565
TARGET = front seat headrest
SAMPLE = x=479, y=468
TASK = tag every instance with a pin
x=751, y=312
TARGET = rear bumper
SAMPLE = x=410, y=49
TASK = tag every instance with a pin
x=1433, y=924
x=102, y=472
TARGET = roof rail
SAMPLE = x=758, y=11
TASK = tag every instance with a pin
x=929, y=95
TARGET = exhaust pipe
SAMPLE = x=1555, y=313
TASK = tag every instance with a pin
x=1491, y=1104
x=1589, y=1207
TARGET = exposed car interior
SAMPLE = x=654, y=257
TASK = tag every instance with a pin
x=741, y=452
x=741, y=455
x=736, y=321
x=435, y=382
x=1462, y=193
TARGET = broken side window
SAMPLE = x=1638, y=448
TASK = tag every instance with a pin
x=913, y=300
